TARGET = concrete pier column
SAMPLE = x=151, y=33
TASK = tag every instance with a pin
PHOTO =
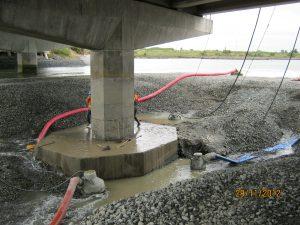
x=29, y=63
x=112, y=85
x=112, y=94
x=19, y=63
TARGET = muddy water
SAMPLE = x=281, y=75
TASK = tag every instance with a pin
x=163, y=118
x=176, y=171
x=159, y=118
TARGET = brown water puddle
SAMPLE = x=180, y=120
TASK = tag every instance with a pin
x=159, y=118
x=123, y=188
x=177, y=170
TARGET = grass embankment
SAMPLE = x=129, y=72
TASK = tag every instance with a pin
x=173, y=53
x=68, y=52
x=210, y=54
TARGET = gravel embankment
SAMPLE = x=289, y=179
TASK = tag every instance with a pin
x=27, y=104
x=211, y=199
x=238, y=126
x=10, y=63
x=19, y=171
x=58, y=61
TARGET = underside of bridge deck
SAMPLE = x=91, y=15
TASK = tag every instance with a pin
x=201, y=7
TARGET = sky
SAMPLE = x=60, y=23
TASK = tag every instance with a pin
x=232, y=30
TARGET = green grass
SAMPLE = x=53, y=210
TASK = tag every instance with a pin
x=63, y=52
x=173, y=53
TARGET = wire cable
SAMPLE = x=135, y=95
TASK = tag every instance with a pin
x=286, y=69
x=258, y=47
x=172, y=116
x=237, y=76
x=42, y=190
x=205, y=47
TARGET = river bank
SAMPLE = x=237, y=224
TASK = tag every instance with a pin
x=237, y=127
x=217, y=57
x=10, y=62
x=211, y=54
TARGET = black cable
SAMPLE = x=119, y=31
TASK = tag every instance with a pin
x=237, y=76
x=258, y=47
x=287, y=66
x=232, y=86
x=42, y=190
x=178, y=115
x=205, y=48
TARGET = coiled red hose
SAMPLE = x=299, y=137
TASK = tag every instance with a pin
x=172, y=83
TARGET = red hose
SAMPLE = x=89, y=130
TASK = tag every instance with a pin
x=62, y=210
x=167, y=86
x=142, y=99
x=58, y=117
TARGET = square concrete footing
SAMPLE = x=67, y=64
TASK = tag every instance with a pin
x=73, y=149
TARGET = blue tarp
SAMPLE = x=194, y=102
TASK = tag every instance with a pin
x=284, y=145
x=241, y=159
x=248, y=156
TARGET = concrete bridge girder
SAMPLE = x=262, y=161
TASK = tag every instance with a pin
x=89, y=24
x=27, y=48
x=21, y=43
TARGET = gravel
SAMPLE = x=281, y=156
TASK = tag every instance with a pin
x=10, y=63
x=57, y=61
x=211, y=199
x=18, y=169
x=238, y=126
x=26, y=104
